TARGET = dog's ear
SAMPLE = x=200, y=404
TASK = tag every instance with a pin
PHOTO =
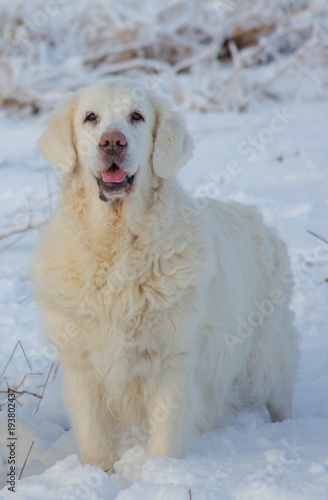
x=173, y=146
x=57, y=141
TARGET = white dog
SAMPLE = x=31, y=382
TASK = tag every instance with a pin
x=166, y=317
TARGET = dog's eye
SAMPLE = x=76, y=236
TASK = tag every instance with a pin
x=137, y=116
x=91, y=117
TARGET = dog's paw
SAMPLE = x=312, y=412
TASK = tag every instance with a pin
x=99, y=460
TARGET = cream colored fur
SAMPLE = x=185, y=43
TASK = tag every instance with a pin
x=166, y=317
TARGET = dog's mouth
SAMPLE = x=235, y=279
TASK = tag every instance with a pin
x=114, y=182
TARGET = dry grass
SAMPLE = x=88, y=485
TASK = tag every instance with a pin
x=25, y=461
x=36, y=388
x=45, y=53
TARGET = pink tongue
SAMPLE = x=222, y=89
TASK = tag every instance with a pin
x=113, y=176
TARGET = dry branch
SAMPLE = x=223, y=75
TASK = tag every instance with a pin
x=303, y=51
x=21, y=393
x=26, y=459
x=11, y=357
x=317, y=236
x=55, y=370
x=25, y=377
x=166, y=37
x=44, y=387
x=13, y=231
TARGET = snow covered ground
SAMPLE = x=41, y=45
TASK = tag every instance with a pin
x=273, y=155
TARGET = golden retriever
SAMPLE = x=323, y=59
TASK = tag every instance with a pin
x=166, y=317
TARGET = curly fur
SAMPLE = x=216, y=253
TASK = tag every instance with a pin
x=166, y=317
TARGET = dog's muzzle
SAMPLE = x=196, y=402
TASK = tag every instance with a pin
x=113, y=183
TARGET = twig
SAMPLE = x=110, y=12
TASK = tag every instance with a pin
x=25, y=376
x=44, y=388
x=195, y=58
x=5, y=379
x=317, y=236
x=114, y=50
x=29, y=451
x=30, y=367
x=28, y=224
x=149, y=64
x=12, y=243
x=5, y=368
x=16, y=399
x=12, y=231
x=311, y=10
x=284, y=68
x=129, y=13
x=20, y=393
x=11, y=357
x=28, y=296
x=55, y=371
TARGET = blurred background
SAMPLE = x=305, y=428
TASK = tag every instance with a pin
x=213, y=55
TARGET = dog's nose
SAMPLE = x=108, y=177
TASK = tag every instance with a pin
x=114, y=141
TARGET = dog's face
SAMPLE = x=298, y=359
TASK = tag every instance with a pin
x=116, y=134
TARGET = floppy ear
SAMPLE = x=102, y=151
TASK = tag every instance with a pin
x=173, y=146
x=56, y=143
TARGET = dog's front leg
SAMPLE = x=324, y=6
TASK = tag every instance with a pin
x=94, y=424
x=170, y=420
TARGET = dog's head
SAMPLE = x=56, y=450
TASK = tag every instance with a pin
x=116, y=134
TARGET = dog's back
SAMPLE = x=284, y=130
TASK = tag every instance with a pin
x=249, y=336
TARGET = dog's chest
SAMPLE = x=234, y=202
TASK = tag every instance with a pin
x=129, y=313
x=128, y=308
x=127, y=335
x=124, y=295
x=133, y=283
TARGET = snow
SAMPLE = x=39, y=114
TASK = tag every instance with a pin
x=250, y=458
x=107, y=37
x=273, y=154
x=67, y=479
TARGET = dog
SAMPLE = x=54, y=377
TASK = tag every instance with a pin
x=166, y=317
